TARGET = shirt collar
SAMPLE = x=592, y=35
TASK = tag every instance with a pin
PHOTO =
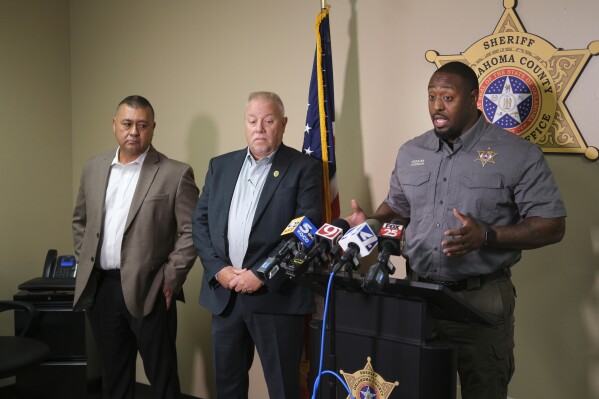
x=266, y=160
x=468, y=139
x=139, y=160
x=472, y=135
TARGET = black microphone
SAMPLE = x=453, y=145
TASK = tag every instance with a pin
x=391, y=240
x=376, y=278
x=302, y=233
x=327, y=237
x=359, y=241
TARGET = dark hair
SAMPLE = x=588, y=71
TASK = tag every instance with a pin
x=136, y=102
x=463, y=71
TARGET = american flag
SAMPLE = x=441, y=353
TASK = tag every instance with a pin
x=319, y=137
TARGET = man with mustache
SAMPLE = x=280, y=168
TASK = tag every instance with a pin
x=473, y=196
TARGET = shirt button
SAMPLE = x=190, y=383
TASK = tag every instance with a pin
x=438, y=225
x=434, y=249
x=440, y=202
x=445, y=179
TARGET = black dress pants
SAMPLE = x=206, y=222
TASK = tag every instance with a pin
x=119, y=336
x=278, y=339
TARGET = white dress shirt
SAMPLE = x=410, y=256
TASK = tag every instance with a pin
x=122, y=182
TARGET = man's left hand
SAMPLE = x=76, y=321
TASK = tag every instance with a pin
x=467, y=238
x=245, y=282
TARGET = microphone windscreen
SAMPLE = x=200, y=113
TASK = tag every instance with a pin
x=374, y=224
x=342, y=224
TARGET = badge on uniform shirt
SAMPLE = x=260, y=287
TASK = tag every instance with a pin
x=486, y=156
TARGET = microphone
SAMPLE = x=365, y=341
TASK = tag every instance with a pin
x=376, y=278
x=302, y=232
x=358, y=242
x=391, y=240
x=327, y=237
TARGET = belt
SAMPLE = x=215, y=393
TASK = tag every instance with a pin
x=111, y=273
x=470, y=283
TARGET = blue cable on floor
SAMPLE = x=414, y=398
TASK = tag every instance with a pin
x=323, y=328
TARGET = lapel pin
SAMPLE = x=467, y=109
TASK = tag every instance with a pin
x=276, y=173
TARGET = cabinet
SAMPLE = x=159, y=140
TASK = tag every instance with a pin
x=72, y=370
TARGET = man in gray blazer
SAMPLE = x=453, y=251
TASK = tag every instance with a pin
x=249, y=197
x=132, y=235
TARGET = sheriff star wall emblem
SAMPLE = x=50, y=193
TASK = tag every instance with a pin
x=486, y=156
x=524, y=82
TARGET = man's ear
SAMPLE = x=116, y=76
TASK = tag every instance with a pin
x=474, y=96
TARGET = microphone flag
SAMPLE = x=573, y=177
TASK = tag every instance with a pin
x=319, y=137
x=303, y=229
x=363, y=236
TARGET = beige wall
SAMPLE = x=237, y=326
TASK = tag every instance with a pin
x=36, y=151
x=197, y=60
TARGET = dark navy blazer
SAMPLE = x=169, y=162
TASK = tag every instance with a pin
x=292, y=189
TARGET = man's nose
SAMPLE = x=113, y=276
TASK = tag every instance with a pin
x=438, y=104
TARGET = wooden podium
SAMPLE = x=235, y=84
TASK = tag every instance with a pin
x=392, y=328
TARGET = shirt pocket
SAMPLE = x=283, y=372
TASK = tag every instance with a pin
x=479, y=194
x=416, y=189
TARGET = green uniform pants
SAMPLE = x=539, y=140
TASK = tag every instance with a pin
x=485, y=354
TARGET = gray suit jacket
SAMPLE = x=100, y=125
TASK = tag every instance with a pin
x=292, y=189
x=157, y=246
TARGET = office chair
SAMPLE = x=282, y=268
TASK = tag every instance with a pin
x=19, y=352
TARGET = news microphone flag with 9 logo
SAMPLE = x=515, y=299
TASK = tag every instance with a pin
x=328, y=236
x=332, y=233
